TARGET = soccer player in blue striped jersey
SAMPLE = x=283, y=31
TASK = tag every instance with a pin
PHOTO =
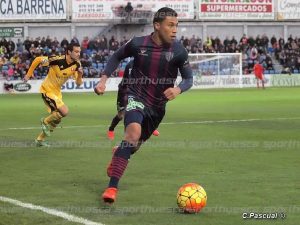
x=157, y=59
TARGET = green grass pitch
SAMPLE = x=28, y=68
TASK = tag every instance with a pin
x=241, y=145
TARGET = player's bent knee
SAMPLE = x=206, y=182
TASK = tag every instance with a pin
x=132, y=137
x=64, y=111
x=133, y=133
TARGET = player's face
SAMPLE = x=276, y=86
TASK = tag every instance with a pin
x=167, y=29
x=75, y=54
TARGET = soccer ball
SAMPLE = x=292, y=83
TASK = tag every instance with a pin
x=191, y=198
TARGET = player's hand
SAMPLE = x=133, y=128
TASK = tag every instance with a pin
x=171, y=93
x=80, y=71
x=100, y=88
x=26, y=78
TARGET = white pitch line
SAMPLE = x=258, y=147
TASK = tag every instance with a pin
x=165, y=123
x=229, y=121
x=53, y=212
x=35, y=128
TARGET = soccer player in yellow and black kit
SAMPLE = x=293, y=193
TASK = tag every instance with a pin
x=61, y=68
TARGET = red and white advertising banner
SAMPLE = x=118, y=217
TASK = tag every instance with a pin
x=288, y=10
x=236, y=9
x=114, y=9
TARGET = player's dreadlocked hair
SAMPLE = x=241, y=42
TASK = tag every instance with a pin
x=162, y=13
x=71, y=46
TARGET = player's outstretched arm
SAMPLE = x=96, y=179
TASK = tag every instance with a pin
x=125, y=51
x=38, y=60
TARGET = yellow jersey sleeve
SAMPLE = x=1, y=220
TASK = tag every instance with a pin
x=43, y=60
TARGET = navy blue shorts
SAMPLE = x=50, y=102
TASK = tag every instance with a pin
x=149, y=118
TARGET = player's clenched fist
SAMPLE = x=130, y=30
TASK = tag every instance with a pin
x=171, y=93
x=100, y=88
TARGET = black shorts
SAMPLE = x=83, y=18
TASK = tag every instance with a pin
x=149, y=118
x=50, y=103
x=122, y=99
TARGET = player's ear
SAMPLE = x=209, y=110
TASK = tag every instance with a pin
x=156, y=26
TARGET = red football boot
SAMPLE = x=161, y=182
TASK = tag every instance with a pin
x=111, y=135
x=155, y=133
x=110, y=195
